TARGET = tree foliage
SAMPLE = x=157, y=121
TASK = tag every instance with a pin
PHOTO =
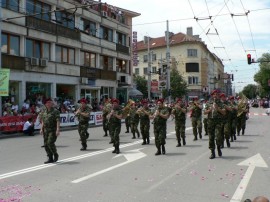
x=141, y=84
x=263, y=75
x=250, y=91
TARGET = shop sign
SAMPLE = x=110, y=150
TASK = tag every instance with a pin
x=4, y=82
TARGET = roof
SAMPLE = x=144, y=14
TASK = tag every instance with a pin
x=160, y=41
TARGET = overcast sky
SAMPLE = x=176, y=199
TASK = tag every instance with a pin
x=230, y=38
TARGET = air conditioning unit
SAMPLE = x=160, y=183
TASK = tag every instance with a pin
x=43, y=62
x=104, y=14
x=84, y=80
x=34, y=61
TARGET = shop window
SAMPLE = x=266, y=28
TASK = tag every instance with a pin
x=37, y=49
x=121, y=66
x=106, y=62
x=11, y=4
x=65, y=54
x=106, y=33
x=34, y=6
x=10, y=44
x=88, y=27
x=64, y=18
x=121, y=38
x=88, y=59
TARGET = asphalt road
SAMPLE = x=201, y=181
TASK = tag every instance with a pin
x=183, y=174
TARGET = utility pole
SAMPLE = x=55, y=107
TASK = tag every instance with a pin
x=149, y=67
x=167, y=35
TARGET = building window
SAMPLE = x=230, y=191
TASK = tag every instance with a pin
x=10, y=44
x=88, y=59
x=106, y=33
x=193, y=80
x=34, y=6
x=192, y=53
x=37, y=49
x=106, y=62
x=145, y=70
x=65, y=55
x=64, y=18
x=88, y=27
x=11, y=4
x=145, y=58
x=121, y=39
x=137, y=71
x=121, y=66
x=192, y=67
x=154, y=69
x=154, y=57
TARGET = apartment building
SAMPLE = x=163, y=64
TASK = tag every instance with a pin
x=200, y=68
x=66, y=49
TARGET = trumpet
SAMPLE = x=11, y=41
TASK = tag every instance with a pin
x=155, y=115
x=109, y=115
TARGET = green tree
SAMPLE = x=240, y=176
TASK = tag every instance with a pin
x=263, y=75
x=141, y=84
x=178, y=85
x=250, y=91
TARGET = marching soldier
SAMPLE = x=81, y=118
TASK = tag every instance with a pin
x=233, y=117
x=226, y=123
x=105, y=111
x=196, y=118
x=205, y=118
x=214, y=109
x=134, y=120
x=50, y=128
x=160, y=120
x=242, y=110
x=114, y=119
x=144, y=113
x=179, y=113
x=83, y=114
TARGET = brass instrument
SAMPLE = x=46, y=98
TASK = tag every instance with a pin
x=154, y=115
x=127, y=108
x=109, y=115
x=242, y=106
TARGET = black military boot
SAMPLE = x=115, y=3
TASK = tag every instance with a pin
x=228, y=142
x=238, y=133
x=243, y=131
x=163, y=149
x=200, y=135
x=56, y=156
x=179, y=143
x=213, y=155
x=158, y=151
x=138, y=135
x=144, y=141
x=117, y=149
x=84, y=146
x=195, y=138
x=87, y=135
x=50, y=159
x=114, y=151
x=184, y=141
x=148, y=140
x=133, y=136
x=234, y=136
x=219, y=151
x=106, y=134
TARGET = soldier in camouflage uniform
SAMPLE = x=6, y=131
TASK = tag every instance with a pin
x=243, y=109
x=160, y=124
x=105, y=111
x=127, y=122
x=115, y=117
x=205, y=118
x=144, y=113
x=196, y=118
x=215, y=111
x=50, y=128
x=179, y=113
x=83, y=114
x=233, y=117
x=134, y=121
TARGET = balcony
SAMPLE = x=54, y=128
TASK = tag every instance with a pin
x=122, y=49
x=49, y=27
x=13, y=62
x=93, y=73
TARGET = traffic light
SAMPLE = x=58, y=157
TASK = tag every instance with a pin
x=249, y=59
x=232, y=77
x=159, y=71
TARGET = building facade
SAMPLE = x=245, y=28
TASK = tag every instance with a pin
x=66, y=49
x=202, y=70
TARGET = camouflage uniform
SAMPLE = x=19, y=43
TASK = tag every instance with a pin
x=226, y=124
x=127, y=122
x=215, y=127
x=233, y=120
x=105, y=112
x=134, y=122
x=180, y=123
x=196, y=119
x=49, y=119
x=205, y=120
x=145, y=124
x=83, y=125
x=241, y=120
x=115, y=128
x=160, y=126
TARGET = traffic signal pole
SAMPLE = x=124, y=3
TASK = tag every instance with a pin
x=168, y=62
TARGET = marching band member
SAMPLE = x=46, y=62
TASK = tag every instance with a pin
x=196, y=118
x=134, y=120
x=160, y=120
x=233, y=117
x=242, y=111
x=105, y=111
x=144, y=113
x=179, y=113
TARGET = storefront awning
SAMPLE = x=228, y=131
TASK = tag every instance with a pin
x=135, y=93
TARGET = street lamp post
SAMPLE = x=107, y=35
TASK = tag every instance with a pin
x=167, y=35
